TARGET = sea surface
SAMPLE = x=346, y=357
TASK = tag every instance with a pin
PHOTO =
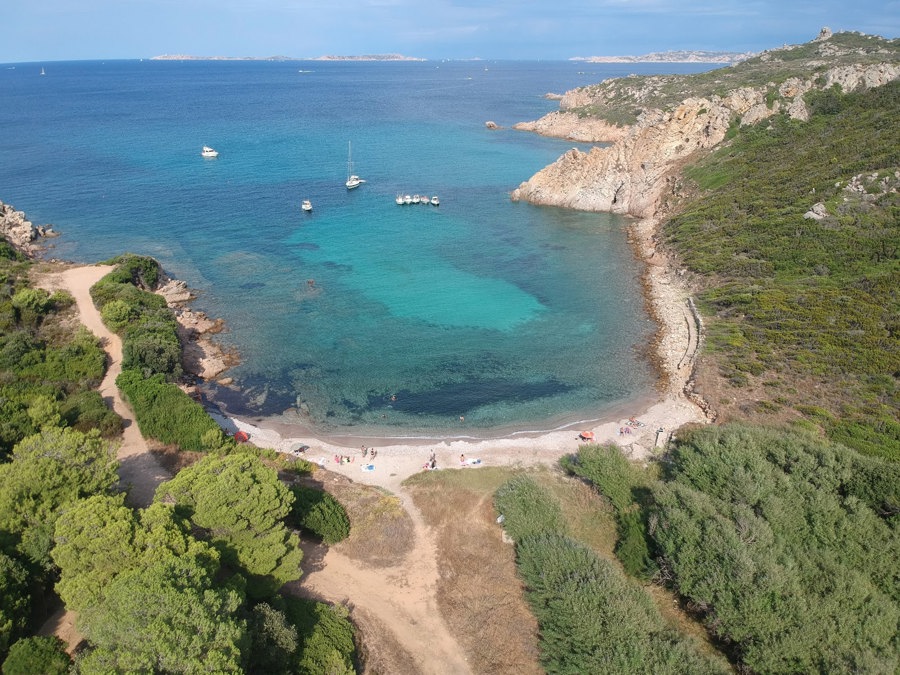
x=361, y=317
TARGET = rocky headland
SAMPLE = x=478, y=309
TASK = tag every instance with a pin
x=657, y=124
x=21, y=232
x=201, y=355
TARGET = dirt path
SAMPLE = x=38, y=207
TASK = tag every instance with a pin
x=139, y=471
x=402, y=598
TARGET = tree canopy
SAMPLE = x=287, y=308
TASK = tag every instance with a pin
x=240, y=505
x=49, y=470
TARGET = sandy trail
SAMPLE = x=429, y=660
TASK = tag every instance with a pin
x=403, y=598
x=139, y=472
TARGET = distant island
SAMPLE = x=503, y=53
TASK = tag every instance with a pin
x=369, y=57
x=683, y=56
x=362, y=57
x=655, y=57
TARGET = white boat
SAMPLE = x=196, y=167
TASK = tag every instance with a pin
x=435, y=201
x=416, y=199
x=306, y=205
x=208, y=152
x=399, y=200
x=407, y=199
x=353, y=181
x=42, y=71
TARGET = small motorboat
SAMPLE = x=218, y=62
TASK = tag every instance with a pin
x=208, y=152
x=399, y=200
x=435, y=201
x=407, y=199
x=306, y=205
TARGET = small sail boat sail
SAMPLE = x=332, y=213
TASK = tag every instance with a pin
x=353, y=181
x=42, y=71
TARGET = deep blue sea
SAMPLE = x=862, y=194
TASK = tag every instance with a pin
x=375, y=318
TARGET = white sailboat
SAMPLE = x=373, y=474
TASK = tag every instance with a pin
x=353, y=181
x=42, y=71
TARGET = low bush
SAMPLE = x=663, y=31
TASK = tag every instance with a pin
x=626, y=487
x=44, y=655
x=87, y=410
x=326, y=637
x=527, y=509
x=148, y=328
x=169, y=415
x=319, y=513
x=789, y=543
x=593, y=619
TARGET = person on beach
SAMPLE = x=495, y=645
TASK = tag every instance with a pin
x=462, y=459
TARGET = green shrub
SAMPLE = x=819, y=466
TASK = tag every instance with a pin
x=118, y=314
x=592, y=619
x=620, y=481
x=787, y=541
x=87, y=410
x=166, y=413
x=527, y=508
x=15, y=601
x=32, y=655
x=321, y=514
x=326, y=637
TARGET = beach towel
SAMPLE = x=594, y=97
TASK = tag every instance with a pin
x=368, y=467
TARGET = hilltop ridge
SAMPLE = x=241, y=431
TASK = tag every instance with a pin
x=658, y=122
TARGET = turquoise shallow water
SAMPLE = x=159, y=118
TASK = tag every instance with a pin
x=376, y=318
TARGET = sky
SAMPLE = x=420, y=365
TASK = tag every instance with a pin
x=60, y=30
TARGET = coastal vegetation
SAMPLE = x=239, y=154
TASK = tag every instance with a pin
x=192, y=581
x=783, y=543
x=802, y=311
x=591, y=617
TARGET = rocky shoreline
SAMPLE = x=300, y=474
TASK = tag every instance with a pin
x=24, y=235
x=202, y=356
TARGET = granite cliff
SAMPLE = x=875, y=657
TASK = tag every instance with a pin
x=657, y=124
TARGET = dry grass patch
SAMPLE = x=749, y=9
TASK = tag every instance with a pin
x=378, y=652
x=381, y=531
x=171, y=458
x=479, y=593
x=590, y=517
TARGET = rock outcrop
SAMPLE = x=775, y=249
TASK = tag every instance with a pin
x=634, y=174
x=574, y=128
x=200, y=355
x=20, y=231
